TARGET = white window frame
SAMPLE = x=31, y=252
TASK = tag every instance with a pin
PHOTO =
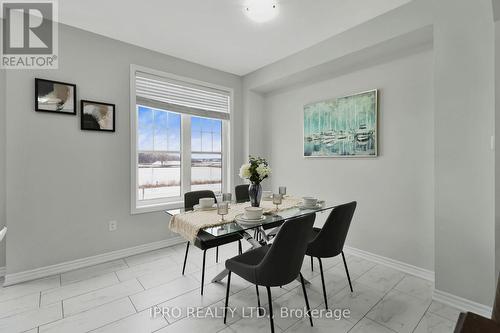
x=178, y=202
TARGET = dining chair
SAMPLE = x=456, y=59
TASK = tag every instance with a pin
x=277, y=264
x=328, y=242
x=241, y=193
x=204, y=240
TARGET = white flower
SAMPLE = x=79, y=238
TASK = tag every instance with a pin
x=245, y=171
x=263, y=171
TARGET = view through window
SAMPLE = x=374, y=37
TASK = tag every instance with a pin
x=159, y=154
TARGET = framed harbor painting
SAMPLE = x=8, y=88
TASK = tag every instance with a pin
x=342, y=127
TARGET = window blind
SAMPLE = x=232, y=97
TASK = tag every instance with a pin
x=177, y=96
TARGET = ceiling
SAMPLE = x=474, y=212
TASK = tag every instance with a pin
x=217, y=33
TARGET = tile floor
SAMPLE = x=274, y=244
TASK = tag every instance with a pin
x=119, y=296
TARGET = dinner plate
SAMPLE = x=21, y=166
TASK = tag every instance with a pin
x=198, y=207
x=302, y=206
x=242, y=220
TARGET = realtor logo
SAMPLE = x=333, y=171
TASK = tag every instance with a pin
x=29, y=34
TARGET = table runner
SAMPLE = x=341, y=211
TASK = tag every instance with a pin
x=188, y=224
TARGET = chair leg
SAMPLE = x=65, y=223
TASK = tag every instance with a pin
x=203, y=271
x=347, y=271
x=227, y=295
x=312, y=264
x=323, y=282
x=258, y=299
x=185, y=258
x=240, y=248
x=306, y=299
x=216, y=254
x=269, y=298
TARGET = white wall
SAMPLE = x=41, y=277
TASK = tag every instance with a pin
x=395, y=191
x=64, y=184
x=2, y=162
x=464, y=170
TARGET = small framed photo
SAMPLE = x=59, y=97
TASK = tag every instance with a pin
x=97, y=116
x=54, y=96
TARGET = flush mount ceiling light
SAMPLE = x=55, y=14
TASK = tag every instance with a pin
x=261, y=10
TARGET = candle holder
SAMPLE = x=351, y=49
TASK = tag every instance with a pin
x=222, y=209
x=277, y=200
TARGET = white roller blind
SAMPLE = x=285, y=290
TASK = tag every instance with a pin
x=173, y=95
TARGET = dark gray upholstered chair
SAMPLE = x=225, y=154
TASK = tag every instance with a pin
x=328, y=242
x=204, y=240
x=277, y=264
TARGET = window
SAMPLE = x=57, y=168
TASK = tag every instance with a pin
x=180, y=139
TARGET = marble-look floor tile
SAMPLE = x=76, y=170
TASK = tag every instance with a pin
x=432, y=323
x=163, y=293
x=78, y=288
x=150, y=256
x=357, y=266
x=293, y=300
x=163, y=276
x=359, y=302
x=399, y=311
x=381, y=278
x=176, y=308
x=326, y=325
x=251, y=325
x=207, y=320
x=369, y=326
x=93, y=299
x=92, y=271
x=18, y=305
x=92, y=319
x=31, y=287
x=146, y=268
x=416, y=287
x=335, y=281
x=141, y=322
x=27, y=320
x=444, y=311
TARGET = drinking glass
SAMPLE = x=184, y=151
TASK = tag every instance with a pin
x=227, y=197
x=277, y=199
x=282, y=190
x=222, y=209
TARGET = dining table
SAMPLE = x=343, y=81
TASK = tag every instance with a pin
x=197, y=225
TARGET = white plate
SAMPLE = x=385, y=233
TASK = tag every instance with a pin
x=197, y=207
x=241, y=219
x=302, y=206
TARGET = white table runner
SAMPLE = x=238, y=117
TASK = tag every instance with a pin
x=188, y=224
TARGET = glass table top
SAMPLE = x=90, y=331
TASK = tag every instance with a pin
x=270, y=219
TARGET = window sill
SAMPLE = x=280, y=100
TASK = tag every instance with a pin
x=157, y=207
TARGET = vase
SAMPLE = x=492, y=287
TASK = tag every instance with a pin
x=255, y=193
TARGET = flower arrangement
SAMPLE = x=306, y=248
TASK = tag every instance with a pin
x=256, y=170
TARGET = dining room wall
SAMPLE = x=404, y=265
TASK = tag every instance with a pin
x=2, y=162
x=64, y=184
x=394, y=191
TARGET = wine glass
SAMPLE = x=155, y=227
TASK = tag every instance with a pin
x=227, y=197
x=277, y=200
x=222, y=209
x=282, y=190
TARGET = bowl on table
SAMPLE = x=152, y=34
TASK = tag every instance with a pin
x=206, y=202
x=310, y=201
x=253, y=213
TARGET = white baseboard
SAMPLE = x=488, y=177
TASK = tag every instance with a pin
x=63, y=267
x=399, y=265
x=2, y=271
x=462, y=304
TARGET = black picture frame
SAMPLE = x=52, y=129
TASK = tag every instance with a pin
x=42, y=88
x=88, y=122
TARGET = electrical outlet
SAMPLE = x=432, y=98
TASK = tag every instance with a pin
x=113, y=225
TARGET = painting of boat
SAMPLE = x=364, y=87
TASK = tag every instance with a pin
x=342, y=127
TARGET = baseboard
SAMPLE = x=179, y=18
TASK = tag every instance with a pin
x=2, y=271
x=399, y=265
x=462, y=304
x=67, y=266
